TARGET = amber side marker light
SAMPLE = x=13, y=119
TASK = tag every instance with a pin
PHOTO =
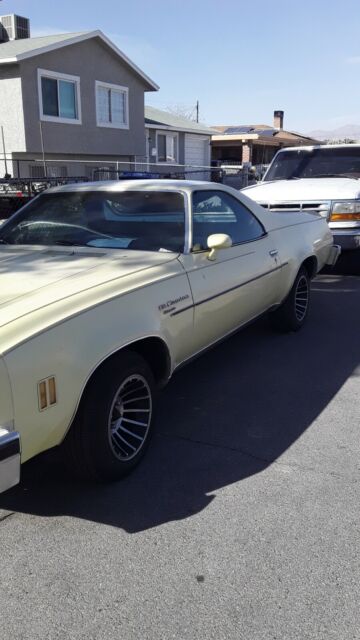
x=52, y=391
x=42, y=395
x=343, y=217
x=47, y=393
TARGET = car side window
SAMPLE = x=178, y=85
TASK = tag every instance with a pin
x=219, y=212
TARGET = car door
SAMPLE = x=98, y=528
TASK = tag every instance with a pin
x=243, y=280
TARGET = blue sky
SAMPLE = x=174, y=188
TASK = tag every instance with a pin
x=241, y=59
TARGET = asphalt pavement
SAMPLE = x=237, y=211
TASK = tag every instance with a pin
x=242, y=522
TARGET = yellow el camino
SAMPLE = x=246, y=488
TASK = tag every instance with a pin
x=107, y=288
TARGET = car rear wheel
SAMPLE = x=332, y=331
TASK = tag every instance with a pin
x=114, y=423
x=292, y=314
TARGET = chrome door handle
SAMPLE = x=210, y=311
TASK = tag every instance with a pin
x=273, y=253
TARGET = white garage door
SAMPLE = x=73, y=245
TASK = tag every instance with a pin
x=197, y=153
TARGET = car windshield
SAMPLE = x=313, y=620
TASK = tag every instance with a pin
x=315, y=163
x=144, y=220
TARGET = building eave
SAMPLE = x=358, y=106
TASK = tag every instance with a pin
x=75, y=40
x=180, y=129
x=235, y=137
x=9, y=61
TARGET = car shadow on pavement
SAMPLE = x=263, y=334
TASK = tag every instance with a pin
x=223, y=418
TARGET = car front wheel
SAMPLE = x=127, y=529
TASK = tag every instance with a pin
x=292, y=314
x=114, y=423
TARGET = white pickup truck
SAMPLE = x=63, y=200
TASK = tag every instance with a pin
x=322, y=179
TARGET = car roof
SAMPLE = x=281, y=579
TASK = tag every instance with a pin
x=136, y=185
x=320, y=146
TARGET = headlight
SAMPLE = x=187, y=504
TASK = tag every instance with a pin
x=347, y=210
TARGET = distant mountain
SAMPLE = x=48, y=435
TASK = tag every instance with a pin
x=351, y=131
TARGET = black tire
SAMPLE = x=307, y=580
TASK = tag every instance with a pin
x=292, y=314
x=98, y=450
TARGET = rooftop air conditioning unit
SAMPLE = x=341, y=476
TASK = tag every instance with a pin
x=14, y=27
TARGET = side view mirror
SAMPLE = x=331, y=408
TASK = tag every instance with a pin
x=218, y=241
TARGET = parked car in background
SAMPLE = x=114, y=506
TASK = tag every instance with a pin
x=16, y=192
x=107, y=288
x=321, y=179
x=13, y=195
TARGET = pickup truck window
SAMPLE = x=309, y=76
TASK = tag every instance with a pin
x=315, y=163
x=149, y=221
x=219, y=212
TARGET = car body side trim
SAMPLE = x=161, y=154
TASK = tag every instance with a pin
x=237, y=286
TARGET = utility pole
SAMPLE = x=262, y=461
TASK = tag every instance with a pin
x=4, y=150
x=197, y=111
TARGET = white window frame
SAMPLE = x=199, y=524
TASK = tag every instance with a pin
x=167, y=134
x=118, y=88
x=54, y=75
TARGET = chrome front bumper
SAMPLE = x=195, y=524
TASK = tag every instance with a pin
x=9, y=459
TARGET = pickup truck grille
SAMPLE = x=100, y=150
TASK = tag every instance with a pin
x=322, y=208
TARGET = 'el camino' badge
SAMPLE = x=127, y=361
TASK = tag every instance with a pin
x=170, y=305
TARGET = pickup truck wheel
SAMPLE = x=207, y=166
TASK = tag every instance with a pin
x=114, y=424
x=292, y=314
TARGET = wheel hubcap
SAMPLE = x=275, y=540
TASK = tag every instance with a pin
x=130, y=417
x=301, y=298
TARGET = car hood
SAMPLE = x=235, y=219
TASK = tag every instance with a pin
x=304, y=189
x=53, y=283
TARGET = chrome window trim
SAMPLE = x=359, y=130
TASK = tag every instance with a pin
x=188, y=223
x=235, y=244
x=184, y=194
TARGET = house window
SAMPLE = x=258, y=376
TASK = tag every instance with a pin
x=112, y=106
x=167, y=147
x=59, y=97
